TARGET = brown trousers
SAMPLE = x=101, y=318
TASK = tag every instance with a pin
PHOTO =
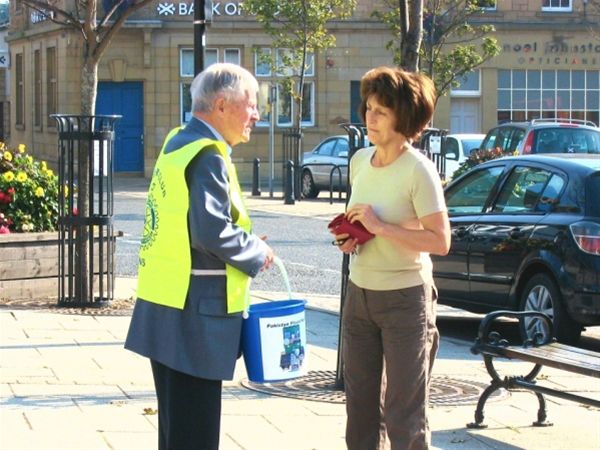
x=389, y=345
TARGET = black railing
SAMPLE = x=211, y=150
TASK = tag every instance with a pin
x=357, y=137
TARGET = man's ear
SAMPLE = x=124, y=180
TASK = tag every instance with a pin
x=220, y=104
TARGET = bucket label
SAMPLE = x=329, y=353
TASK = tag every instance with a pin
x=283, y=346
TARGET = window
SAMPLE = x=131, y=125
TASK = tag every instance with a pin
x=452, y=150
x=20, y=91
x=261, y=64
x=186, y=72
x=37, y=89
x=505, y=138
x=211, y=56
x=51, y=85
x=556, y=5
x=284, y=104
x=469, y=85
x=534, y=94
x=231, y=55
x=550, y=194
x=186, y=62
x=471, y=194
x=326, y=149
x=186, y=102
x=522, y=190
x=487, y=4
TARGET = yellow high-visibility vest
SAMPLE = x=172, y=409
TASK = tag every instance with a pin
x=165, y=260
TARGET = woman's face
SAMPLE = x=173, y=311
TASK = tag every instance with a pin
x=380, y=122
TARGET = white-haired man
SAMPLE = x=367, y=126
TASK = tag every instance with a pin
x=197, y=257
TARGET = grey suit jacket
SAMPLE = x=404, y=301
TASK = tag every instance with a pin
x=202, y=339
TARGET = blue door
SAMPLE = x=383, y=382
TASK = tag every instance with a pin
x=125, y=99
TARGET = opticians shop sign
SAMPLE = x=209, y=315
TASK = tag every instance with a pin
x=558, y=51
x=211, y=9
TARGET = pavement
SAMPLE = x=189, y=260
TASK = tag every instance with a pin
x=66, y=382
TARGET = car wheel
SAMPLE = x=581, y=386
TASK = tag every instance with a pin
x=309, y=190
x=541, y=294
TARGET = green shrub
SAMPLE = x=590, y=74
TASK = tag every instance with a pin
x=479, y=156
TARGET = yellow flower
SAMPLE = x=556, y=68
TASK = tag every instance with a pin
x=21, y=177
x=44, y=165
x=8, y=156
x=39, y=191
x=49, y=173
x=9, y=176
x=66, y=190
x=29, y=159
x=21, y=148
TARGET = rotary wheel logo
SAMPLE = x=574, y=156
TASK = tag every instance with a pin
x=150, y=224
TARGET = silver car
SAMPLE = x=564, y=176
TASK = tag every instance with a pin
x=329, y=157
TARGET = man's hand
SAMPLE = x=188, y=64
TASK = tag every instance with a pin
x=269, y=258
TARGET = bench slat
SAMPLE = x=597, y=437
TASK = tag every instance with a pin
x=557, y=356
x=581, y=351
x=575, y=354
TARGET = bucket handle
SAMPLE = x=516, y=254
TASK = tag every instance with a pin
x=279, y=263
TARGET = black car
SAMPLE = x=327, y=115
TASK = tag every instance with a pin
x=526, y=236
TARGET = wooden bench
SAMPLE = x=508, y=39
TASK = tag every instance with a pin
x=538, y=351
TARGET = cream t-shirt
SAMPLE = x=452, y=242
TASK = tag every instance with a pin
x=399, y=193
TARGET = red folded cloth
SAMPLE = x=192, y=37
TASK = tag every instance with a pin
x=341, y=225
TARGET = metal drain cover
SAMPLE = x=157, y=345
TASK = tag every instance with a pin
x=320, y=386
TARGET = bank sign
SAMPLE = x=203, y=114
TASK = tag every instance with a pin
x=210, y=9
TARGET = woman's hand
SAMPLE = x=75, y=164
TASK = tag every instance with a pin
x=345, y=242
x=364, y=214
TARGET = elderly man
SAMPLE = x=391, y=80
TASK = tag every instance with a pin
x=197, y=257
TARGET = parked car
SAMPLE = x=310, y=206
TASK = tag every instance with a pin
x=457, y=149
x=526, y=236
x=544, y=136
x=317, y=166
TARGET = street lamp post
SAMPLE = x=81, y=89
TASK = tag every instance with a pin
x=199, y=29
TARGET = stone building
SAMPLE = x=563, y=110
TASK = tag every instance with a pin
x=549, y=66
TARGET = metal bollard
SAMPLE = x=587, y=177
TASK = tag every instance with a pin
x=256, y=177
x=288, y=195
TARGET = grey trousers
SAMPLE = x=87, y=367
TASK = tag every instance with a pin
x=389, y=345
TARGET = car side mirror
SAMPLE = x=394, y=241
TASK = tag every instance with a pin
x=343, y=154
x=453, y=156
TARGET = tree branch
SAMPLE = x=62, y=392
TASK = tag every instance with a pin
x=43, y=7
x=104, y=38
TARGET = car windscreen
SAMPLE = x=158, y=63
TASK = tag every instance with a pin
x=469, y=145
x=593, y=194
x=567, y=140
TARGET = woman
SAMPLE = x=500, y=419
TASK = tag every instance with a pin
x=389, y=335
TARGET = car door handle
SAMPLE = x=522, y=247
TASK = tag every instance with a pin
x=516, y=233
x=461, y=232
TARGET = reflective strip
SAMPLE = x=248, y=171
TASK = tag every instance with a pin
x=208, y=272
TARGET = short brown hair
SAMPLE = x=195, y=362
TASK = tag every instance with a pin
x=411, y=95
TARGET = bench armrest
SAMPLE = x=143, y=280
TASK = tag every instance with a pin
x=487, y=339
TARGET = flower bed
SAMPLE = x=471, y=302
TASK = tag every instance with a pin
x=28, y=265
x=28, y=220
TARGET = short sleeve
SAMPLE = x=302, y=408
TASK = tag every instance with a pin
x=427, y=190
